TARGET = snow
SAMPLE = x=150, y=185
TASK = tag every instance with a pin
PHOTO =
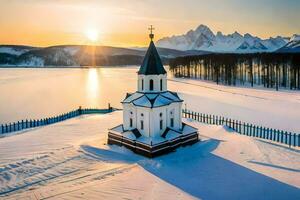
x=70, y=160
x=204, y=39
x=142, y=101
x=295, y=37
x=13, y=51
x=161, y=101
x=259, y=106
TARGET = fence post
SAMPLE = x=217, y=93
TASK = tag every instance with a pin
x=79, y=111
x=253, y=130
x=250, y=128
x=271, y=134
x=260, y=131
x=290, y=139
x=256, y=131
x=294, y=139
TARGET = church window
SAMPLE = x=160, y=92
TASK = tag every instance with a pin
x=160, y=114
x=142, y=114
x=172, y=122
x=151, y=85
x=161, y=84
x=161, y=124
x=142, y=125
x=142, y=84
x=130, y=122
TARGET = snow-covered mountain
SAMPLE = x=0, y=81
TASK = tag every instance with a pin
x=202, y=38
x=292, y=46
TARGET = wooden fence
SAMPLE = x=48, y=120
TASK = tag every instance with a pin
x=285, y=137
x=31, y=123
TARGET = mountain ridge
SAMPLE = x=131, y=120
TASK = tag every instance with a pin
x=202, y=38
x=79, y=55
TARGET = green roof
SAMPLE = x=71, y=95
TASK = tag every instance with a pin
x=152, y=64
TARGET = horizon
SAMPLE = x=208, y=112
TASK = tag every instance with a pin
x=146, y=44
x=125, y=23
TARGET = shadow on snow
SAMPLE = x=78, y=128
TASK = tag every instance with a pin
x=200, y=173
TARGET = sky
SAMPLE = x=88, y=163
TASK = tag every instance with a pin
x=125, y=22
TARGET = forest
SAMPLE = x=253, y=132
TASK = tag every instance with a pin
x=270, y=70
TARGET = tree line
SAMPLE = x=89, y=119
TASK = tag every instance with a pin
x=270, y=70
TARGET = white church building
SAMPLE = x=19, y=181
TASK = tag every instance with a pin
x=152, y=116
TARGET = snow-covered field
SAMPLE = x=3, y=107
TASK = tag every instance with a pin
x=70, y=160
x=259, y=106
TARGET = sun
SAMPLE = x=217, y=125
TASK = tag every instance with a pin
x=92, y=35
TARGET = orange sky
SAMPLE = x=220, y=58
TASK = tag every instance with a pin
x=125, y=22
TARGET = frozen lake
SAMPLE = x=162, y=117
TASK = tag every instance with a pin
x=43, y=92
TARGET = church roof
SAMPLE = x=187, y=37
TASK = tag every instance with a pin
x=152, y=100
x=152, y=64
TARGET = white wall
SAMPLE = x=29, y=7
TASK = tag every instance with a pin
x=156, y=80
x=151, y=118
x=146, y=119
x=127, y=110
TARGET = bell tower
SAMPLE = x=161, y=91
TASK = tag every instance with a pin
x=152, y=77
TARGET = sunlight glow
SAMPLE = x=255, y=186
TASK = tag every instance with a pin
x=92, y=35
x=93, y=87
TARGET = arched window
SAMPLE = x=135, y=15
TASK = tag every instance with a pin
x=161, y=84
x=142, y=84
x=142, y=125
x=161, y=124
x=172, y=122
x=151, y=85
x=130, y=122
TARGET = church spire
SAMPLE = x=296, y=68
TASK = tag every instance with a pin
x=152, y=64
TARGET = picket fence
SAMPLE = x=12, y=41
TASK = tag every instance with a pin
x=285, y=137
x=32, y=123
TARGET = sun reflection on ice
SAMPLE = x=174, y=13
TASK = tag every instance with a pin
x=93, y=87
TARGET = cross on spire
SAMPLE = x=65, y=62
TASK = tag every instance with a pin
x=151, y=35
